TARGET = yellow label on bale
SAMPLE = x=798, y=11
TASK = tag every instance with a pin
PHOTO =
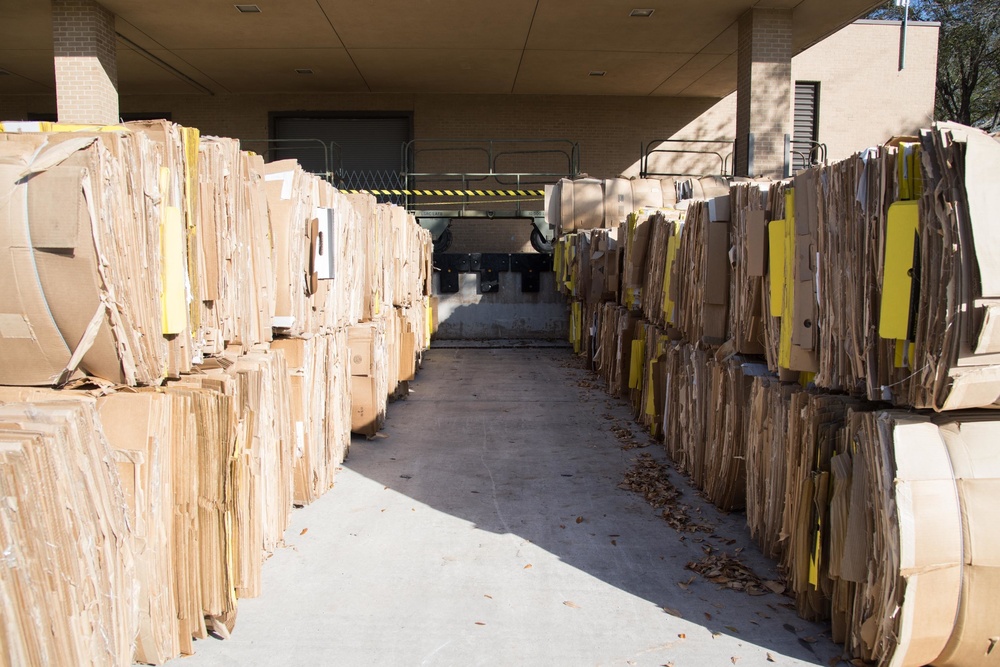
x=191, y=138
x=776, y=264
x=174, y=298
x=635, y=368
x=902, y=223
x=788, y=293
x=428, y=320
x=673, y=243
x=68, y=127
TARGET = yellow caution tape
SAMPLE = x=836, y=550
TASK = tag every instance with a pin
x=450, y=193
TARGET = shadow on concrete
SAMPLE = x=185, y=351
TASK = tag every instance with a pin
x=519, y=442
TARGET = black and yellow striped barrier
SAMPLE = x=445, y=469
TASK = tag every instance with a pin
x=452, y=193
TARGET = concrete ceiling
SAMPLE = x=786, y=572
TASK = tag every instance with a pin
x=686, y=48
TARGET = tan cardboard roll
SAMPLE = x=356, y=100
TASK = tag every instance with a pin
x=588, y=203
x=567, y=210
x=646, y=194
x=617, y=201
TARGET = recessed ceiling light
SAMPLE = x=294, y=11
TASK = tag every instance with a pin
x=247, y=9
x=597, y=72
x=304, y=70
x=641, y=13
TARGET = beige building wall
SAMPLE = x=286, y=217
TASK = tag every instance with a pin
x=864, y=98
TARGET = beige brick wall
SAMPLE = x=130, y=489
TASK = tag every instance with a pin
x=85, y=62
x=764, y=81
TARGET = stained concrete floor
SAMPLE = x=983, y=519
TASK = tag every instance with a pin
x=487, y=528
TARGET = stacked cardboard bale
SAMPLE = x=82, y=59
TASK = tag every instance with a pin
x=220, y=292
x=780, y=320
x=67, y=584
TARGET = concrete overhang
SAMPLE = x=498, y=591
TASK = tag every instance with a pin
x=684, y=48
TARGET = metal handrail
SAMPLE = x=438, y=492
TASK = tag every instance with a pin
x=646, y=150
x=817, y=149
x=410, y=150
x=570, y=150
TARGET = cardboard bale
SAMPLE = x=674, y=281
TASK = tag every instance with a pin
x=369, y=376
x=92, y=242
x=955, y=343
x=238, y=283
x=144, y=438
x=728, y=430
x=686, y=416
x=68, y=584
x=767, y=454
x=289, y=207
x=750, y=215
x=701, y=270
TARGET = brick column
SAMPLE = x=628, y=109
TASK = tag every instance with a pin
x=83, y=37
x=763, y=90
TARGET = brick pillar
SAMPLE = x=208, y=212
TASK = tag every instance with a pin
x=83, y=37
x=763, y=90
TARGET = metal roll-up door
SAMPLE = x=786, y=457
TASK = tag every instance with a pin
x=370, y=148
x=806, y=124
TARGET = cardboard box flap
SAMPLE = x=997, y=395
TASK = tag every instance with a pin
x=56, y=207
x=55, y=151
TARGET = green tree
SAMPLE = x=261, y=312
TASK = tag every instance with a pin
x=968, y=71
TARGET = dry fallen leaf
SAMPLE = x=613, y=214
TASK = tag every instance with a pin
x=672, y=612
x=682, y=636
x=488, y=596
x=732, y=628
x=811, y=640
x=579, y=519
x=304, y=531
x=571, y=604
x=735, y=659
x=770, y=658
x=708, y=617
x=528, y=566
x=716, y=635
x=480, y=623
x=775, y=587
x=729, y=573
x=614, y=543
x=648, y=478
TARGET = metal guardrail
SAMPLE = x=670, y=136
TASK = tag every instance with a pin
x=653, y=148
x=489, y=160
